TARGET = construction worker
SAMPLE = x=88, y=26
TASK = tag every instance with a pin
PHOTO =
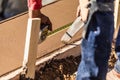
x=95, y=66
x=34, y=7
x=115, y=73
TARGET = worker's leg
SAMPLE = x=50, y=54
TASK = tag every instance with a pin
x=103, y=41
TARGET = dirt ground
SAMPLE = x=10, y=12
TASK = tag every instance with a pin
x=56, y=69
x=61, y=69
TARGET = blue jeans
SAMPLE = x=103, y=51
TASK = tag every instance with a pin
x=102, y=45
x=117, y=65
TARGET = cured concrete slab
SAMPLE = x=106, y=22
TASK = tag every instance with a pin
x=13, y=32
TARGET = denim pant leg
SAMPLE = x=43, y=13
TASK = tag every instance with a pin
x=105, y=20
x=103, y=42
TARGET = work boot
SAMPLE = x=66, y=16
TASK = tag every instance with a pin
x=113, y=75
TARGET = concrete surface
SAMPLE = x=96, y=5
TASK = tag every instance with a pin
x=13, y=32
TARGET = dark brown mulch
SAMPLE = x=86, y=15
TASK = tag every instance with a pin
x=58, y=69
x=62, y=69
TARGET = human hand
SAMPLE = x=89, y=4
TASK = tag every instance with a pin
x=82, y=10
x=44, y=19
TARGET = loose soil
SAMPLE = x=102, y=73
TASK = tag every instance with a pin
x=61, y=69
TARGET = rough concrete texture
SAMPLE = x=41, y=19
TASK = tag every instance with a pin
x=13, y=32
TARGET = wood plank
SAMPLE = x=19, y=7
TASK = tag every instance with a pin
x=31, y=44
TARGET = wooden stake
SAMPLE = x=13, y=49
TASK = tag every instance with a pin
x=117, y=18
x=30, y=52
